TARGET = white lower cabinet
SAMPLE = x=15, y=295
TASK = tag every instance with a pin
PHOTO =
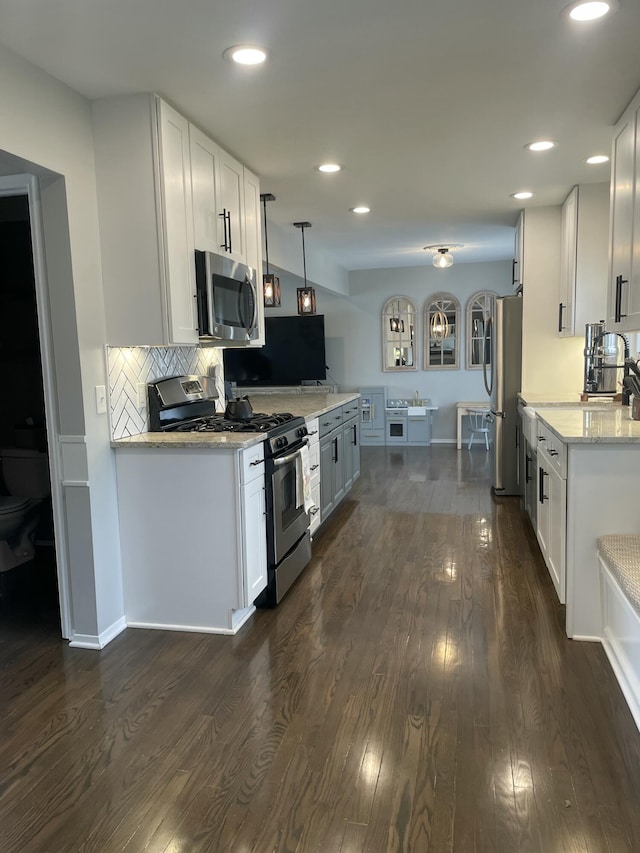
x=551, y=521
x=254, y=533
x=192, y=533
x=314, y=468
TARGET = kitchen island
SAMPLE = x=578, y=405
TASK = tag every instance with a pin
x=588, y=465
x=193, y=515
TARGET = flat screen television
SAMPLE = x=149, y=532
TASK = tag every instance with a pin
x=293, y=353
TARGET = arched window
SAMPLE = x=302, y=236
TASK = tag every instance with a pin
x=441, y=332
x=480, y=307
x=398, y=334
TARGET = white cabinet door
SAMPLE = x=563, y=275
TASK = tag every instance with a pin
x=551, y=522
x=254, y=539
x=518, y=260
x=557, y=536
x=204, y=170
x=231, y=207
x=177, y=218
x=253, y=243
x=624, y=291
x=568, y=261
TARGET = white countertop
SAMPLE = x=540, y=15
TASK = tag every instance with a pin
x=307, y=405
x=587, y=424
x=547, y=400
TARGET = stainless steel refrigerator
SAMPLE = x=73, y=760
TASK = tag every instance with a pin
x=502, y=378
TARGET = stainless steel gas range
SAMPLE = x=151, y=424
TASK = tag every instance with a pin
x=188, y=404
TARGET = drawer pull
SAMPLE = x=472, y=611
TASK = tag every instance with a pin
x=314, y=510
x=313, y=467
x=315, y=431
x=257, y=462
x=553, y=452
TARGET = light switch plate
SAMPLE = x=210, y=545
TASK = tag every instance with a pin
x=101, y=399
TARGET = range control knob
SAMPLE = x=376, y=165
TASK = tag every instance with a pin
x=281, y=441
x=301, y=432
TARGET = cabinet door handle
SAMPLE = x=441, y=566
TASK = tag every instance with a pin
x=618, y=302
x=226, y=221
x=553, y=452
x=560, y=312
x=314, y=432
x=541, y=438
x=541, y=495
x=314, y=510
x=527, y=475
x=514, y=264
x=335, y=446
x=313, y=467
x=355, y=436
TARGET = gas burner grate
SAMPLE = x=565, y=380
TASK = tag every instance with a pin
x=218, y=423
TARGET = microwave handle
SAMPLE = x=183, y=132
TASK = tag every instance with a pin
x=254, y=316
x=203, y=276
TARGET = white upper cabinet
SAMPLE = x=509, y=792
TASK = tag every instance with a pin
x=164, y=190
x=517, y=277
x=207, y=226
x=231, y=207
x=583, y=258
x=146, y=221
x=253, y=242
x=623, y=308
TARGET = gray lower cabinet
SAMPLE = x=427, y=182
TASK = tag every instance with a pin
x=339, y=455
x=331, y=471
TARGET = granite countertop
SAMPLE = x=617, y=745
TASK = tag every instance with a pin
x=570, y=400
x=307, y=405
x=590, y=425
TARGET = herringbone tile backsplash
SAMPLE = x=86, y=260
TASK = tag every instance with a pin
x=130, y=366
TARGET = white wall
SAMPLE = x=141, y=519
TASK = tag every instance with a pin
x=49, y=125
x=353, y=331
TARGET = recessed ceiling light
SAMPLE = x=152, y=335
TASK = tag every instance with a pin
x=542, y=145
x=245, y=54
x=589, y=10
x=596, y=159
x=329, y=167
x=361, y=209
x=523, y=194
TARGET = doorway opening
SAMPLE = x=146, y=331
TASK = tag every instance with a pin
x=29, y=595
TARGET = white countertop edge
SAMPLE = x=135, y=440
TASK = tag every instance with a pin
x=603, y=429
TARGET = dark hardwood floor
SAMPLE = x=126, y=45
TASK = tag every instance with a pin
x=414, y=692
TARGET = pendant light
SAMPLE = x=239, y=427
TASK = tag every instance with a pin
x=270, y=283
x=306, y=294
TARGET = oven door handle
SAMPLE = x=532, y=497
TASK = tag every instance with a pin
x=284, y=460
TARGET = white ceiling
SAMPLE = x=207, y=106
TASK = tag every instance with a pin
x=427, y=103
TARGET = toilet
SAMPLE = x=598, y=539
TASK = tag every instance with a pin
x=26, y=476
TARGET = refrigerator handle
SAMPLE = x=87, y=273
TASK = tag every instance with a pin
x=488, y=384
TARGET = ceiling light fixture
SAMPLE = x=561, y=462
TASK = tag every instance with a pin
x=522, y=195
x=360, y=209
x=271, y=295
x=442, y=258
x=245, y=54
x=589, y=10
x=329, y=167
x=542, y=145
x=597, y=159
x=306, y=294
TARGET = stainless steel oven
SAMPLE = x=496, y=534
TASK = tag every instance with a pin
x=288, y=539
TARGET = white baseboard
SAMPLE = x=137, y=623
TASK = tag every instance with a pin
x=443, y=441
x=192, y=629
x=98, y=641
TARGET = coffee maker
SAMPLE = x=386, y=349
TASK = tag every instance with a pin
x=602, y=371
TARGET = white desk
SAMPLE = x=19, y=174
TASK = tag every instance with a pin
x=462, y=409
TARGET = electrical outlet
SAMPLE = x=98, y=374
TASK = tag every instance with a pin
x=141, y=391
x=101, y=399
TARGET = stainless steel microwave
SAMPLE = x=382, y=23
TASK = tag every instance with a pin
x=227, y=300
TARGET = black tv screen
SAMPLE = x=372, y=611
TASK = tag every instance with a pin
x=293, y=352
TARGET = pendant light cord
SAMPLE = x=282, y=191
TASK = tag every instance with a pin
x=304, y=257
x=266, y=234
